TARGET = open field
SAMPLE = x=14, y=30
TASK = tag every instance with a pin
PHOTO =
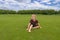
x=13, y=27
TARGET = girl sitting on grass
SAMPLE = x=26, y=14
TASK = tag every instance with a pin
x=33, y=23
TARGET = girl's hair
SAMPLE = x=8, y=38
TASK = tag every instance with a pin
x=33, y=14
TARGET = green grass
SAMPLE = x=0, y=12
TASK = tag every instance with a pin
x=13, y=27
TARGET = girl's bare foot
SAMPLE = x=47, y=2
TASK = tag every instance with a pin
x=29, y=30
x=40, y=27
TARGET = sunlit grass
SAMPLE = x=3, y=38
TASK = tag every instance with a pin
x=13, y=27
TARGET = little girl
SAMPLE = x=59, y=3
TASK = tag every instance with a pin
x=33, y=23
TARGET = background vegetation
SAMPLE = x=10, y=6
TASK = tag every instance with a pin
x=45, y=12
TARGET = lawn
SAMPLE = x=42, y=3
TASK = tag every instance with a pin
x=13, y=27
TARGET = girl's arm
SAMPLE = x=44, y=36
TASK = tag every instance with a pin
x=39, y=25
x=28, y=26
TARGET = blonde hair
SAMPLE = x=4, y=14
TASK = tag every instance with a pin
x=33, y=16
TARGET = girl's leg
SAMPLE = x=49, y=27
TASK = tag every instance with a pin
x=36, y=27
x=30, y=28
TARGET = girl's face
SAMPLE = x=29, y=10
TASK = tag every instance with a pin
x=33, y=17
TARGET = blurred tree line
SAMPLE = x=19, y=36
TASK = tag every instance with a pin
x=45, y=12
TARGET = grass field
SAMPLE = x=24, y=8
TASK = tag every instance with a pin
x=13, y=27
